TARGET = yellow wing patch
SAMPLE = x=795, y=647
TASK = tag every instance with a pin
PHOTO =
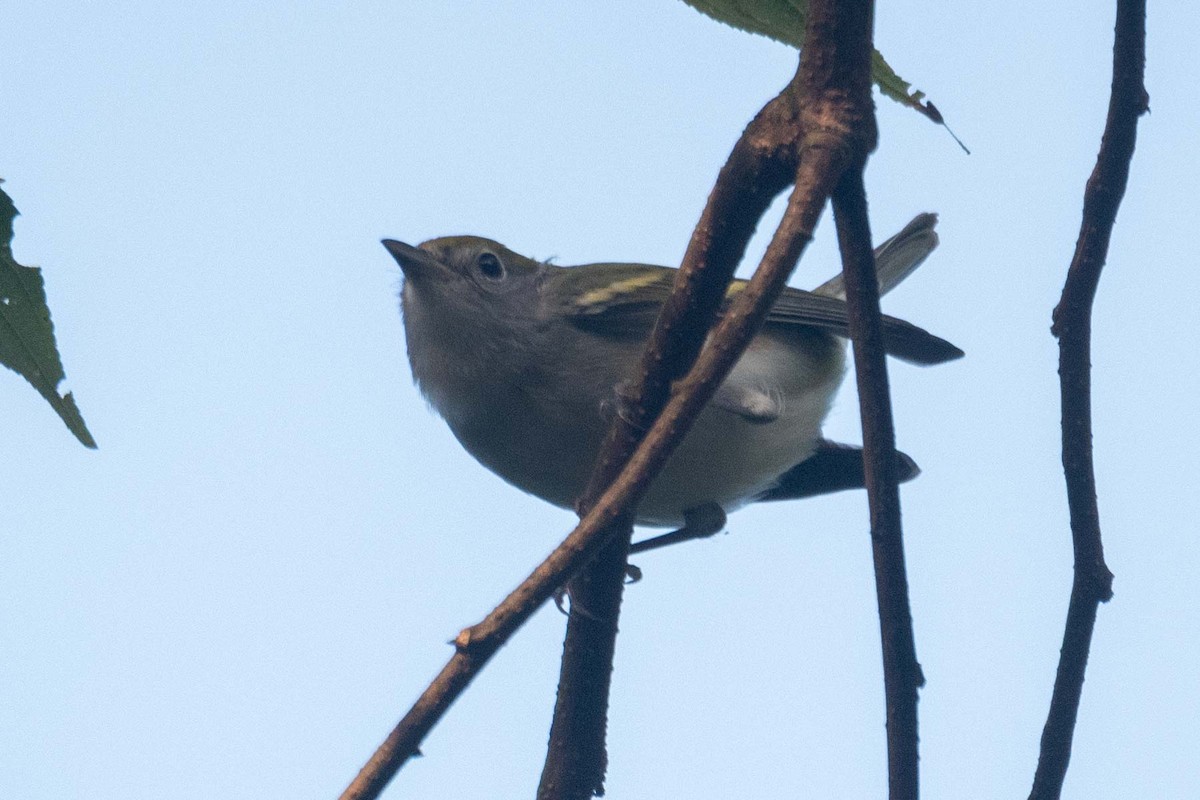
x=635, y=290
x=617, y=289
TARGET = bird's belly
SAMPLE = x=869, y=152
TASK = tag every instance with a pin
x=728, y=460
x=725, y=458
x=550, y=458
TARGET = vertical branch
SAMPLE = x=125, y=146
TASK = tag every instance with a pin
x=1092, y=583
x=577, y=756
x=901, y=672
x=849, y=26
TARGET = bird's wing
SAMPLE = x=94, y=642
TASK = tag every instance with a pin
x=622, y=300
x=901, y=339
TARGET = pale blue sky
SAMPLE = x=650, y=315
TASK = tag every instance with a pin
x=249, y=582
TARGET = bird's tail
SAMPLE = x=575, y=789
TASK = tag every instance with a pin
x=896, y=258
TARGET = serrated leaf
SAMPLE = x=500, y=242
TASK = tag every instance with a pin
x=26, y=333
x=784, y=21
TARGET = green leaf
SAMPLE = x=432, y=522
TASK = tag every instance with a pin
x=784, y=21
x=26, y=334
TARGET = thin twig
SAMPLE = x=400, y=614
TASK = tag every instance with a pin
x=1092, y=584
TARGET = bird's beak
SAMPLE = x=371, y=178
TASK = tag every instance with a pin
x=417, y=264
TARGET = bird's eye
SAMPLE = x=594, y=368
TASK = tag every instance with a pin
x=490, y=266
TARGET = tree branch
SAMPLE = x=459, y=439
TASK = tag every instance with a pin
x=761, y=158
x=901, y=672
x=761, y=165
x=847, y=115
x=835, y=128
x=737, y=327
x=1092, y=584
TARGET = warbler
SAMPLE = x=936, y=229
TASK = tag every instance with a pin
x=523, y=359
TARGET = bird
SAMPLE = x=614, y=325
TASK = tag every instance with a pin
x=524, y=360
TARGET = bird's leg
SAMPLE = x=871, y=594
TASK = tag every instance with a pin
x=698, y=523
x=620, y=405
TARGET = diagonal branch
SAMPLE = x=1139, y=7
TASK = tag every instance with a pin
x=607, y=519
x=1092, y=584
x=833, y=140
